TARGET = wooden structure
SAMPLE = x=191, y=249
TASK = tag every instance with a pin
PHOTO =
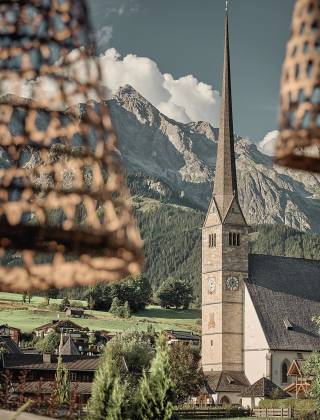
x=282, y=413
x=65, y=216
x=299, y=139
x=75, y=312
x=300, y=387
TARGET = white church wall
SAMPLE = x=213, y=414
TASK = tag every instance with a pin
x=256, y=347
x=251, y=402
x=234, y=398
x=278, y=357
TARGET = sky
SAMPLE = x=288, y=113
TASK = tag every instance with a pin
x=171, y=51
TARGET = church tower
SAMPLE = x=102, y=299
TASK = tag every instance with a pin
x=224, y=251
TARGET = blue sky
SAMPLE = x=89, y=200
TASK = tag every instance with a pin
x=177, y=38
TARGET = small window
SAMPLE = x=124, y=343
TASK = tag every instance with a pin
x=284, y=372
x=211, y=343
x=212, y=240
x=73, y=376
x=234, y=239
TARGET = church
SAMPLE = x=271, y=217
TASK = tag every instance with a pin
x=257, y=310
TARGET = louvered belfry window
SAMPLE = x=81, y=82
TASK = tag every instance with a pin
x=65, y=216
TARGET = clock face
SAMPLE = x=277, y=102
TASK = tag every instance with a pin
x=232, y=283
x=211, y=284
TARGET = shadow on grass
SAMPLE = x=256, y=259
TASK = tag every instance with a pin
x=153, y=312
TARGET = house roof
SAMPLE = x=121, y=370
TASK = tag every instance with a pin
x=286, y=295
x=69, y=348
x=226, y=382
x=264, y=388
x=9, y=345
x=35, y=362
x=46, y=387
x=183, y=335
x=75, y=310
x=6, y=326
x=63, y=324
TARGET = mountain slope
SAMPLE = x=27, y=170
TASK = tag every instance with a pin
x=182, y=159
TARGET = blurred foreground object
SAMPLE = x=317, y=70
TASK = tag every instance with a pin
x=299, y=141
x=65, y=216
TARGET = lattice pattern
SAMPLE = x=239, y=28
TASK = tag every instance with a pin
x=299, y=142
x=65, y=217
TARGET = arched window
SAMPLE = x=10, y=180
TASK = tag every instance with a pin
x=284, y=372
x=225, y=400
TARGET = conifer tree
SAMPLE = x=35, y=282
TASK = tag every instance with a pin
x=63, y=383
x=107, y=391
x=156, y=395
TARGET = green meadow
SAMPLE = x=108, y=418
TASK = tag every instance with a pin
x=29, y=316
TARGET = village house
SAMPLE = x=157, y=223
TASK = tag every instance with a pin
x=75, y=312
x=14, y=333
x=185, y=337
x=257, y=310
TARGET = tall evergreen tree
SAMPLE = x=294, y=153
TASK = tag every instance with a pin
x=156, y=394
x=63, y=383
x=107, y=391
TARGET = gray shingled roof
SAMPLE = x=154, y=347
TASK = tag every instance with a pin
x=226, y=381
x=35, y=362
x=69, y=348
x=264, y=388
x=286, y=289
x=9, y=345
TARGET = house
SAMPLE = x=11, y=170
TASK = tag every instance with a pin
x=42, y=367
x=185, y=337
x=63, y=326
x=261, y=390
x=257, y=310
x=32, y=390
x=75, y=312
x=14, y=333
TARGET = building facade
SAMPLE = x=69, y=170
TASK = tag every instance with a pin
x=257, y=310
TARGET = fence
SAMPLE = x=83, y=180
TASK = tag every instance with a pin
x=283, y=413
x=211, y=413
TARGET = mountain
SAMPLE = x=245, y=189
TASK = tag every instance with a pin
x=176, y=162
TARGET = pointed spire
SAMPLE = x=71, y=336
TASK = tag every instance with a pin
x=225, y=186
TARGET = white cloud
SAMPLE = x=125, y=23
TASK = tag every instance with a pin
x=267, y=145
x=184, y=99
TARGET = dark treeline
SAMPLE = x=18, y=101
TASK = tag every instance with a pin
x=172, y=235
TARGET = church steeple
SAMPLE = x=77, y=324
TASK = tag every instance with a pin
x=225, y=185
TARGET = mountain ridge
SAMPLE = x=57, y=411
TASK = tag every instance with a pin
x=182, y=157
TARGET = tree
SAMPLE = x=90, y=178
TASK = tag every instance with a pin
x=137, y=291
x=49, y=343
x=51, y=294
x=65, y=303
x=186, y=373
x=107, y=391
x=120, y=310
x=63, y=385
x=175, y=293
x=311, y=367
x=156, y=394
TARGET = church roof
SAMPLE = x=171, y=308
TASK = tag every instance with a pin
x=225, y=184
x=286, y=295
x=226, y=381
x=264, y=388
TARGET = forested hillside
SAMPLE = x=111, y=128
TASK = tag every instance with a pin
x=172, y=235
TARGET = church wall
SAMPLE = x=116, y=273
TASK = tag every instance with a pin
x=234, y=398
x=278, y=357
x=256, y=348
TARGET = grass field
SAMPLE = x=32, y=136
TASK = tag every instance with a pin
x=29, y=316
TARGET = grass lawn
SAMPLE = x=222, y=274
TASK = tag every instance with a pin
x=27, y=317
